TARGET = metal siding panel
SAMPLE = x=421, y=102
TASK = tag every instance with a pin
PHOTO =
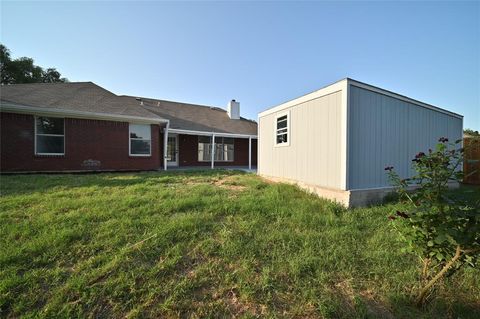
x=354, y=167
x=387, y=131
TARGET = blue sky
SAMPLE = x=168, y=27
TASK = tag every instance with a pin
x=260, y=53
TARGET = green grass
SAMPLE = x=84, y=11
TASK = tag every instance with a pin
x=204, y=244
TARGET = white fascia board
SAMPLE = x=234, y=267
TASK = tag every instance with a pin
x=344, y=125
x=332, y=88
x=203, y=133
x=6, y=107
x=401, y=97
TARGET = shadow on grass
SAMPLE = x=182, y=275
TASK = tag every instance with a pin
x=364, y=305
x=42, y=183
x=464, y=192
x=438, y=307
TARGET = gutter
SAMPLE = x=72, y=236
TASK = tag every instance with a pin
x=7, y=107
x=204, y=133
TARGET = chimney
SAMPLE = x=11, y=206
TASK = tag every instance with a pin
x=233, y=110
x=139, y=99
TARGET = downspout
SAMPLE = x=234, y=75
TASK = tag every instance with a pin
x=165, y=145
x=250, y=153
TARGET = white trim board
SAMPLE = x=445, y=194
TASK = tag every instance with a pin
x=344, y=113
x=333, y=88
x=189, y=132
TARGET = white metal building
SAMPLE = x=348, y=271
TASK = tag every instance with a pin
x=337, y=141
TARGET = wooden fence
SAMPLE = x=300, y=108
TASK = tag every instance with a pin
x=471, y=164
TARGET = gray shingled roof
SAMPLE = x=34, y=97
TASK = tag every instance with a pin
x=89, y=97
x=197, y=117
x=74, y=96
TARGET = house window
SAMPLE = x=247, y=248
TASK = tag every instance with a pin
x=140, y=140
x=282, y=134
x=224, y=149
x=49, y=136
x=204, y=148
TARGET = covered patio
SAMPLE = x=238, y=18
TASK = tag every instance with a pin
x=188, y=149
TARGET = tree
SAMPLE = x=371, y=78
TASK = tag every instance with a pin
x=51, y=75
x=439, y=227
x=471, y=132
x=23, y=70
x=4, y=61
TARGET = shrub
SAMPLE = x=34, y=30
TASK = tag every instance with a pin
x=442, y=229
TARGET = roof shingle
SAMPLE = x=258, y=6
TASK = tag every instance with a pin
x=197, y=117
x=89, y=97
x=74, y=96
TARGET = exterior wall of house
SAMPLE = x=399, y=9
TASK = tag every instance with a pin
x=104, y=141
x=314, y=154
x=188, y=152
x=388, y=131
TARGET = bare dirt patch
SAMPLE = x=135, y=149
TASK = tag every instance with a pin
x=230, y=183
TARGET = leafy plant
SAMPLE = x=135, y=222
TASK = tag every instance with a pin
x=23, y=70
x=441, y=228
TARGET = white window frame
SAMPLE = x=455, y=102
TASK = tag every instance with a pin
x=209, y=147
x=275, y=130
x=40, y=134
x=223, y=143
x=213, y=145
x=138, y=139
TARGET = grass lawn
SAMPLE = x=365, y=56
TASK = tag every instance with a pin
x=204, y=244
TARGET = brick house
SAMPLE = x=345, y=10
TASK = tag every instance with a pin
x=83, y=127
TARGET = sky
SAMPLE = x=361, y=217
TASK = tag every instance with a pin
x=259, y=53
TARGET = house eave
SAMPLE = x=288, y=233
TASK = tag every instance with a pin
x=205, y=133
x=25, y=109
x=326, y=90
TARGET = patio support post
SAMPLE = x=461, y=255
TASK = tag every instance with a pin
x=249, y=152
x=165, y=145
x=213, y=150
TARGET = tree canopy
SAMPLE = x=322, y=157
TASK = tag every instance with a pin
x=471, y=132
x=23, y=70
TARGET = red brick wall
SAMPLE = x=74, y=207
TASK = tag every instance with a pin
x=102, y=141
x=188, y=152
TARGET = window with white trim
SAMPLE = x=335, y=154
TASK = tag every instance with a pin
x=224, y=149
x=49, y=135
x=282, y=136
x=204, y=148
x=140, y=139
